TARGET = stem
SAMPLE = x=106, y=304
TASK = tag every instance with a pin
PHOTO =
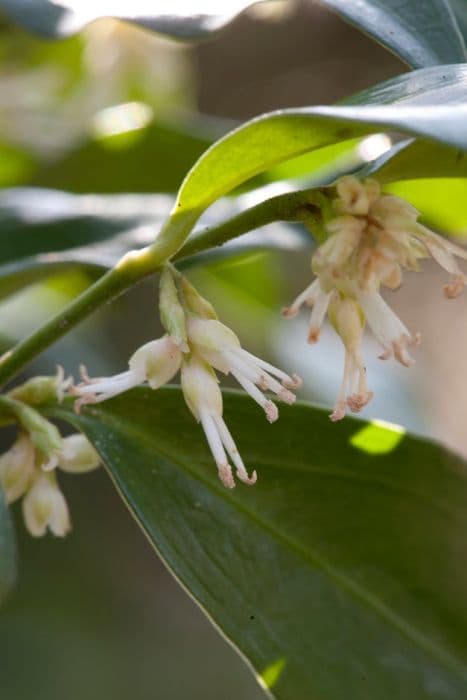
x=303, y=205
x=134, y=266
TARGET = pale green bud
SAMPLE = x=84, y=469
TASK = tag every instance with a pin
x=40, y=390
x=44, y=435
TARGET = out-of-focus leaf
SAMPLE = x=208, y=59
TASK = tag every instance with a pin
x=421, y=33
x=43, y=232
x=460, y=11
x=409, y=103
x=440, y=197
x=151, y=159
x=340, y=574
x=442, y=202
x=419, y=158
x=181, y=19
x=7, y=550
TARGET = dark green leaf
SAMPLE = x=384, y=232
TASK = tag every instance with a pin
x=429, y=103
x=155, y=158
x=421, y=33
x=7, y=550
x=341, y=574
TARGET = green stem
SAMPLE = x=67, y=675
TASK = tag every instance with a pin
x=134, y=266
x=128, y=271
x=299, y=206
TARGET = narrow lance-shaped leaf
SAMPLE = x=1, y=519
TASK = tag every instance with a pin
x=421, y=33
x=429, y=103
x=341, y=573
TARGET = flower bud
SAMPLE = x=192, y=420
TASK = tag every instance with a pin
x=44, y=506
x=40, y=390
x=44, y=435
x=77, y=455
x=16, y=468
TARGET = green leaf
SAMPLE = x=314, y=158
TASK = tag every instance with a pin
x=429, y=103
x=7, y=550
x=56, y=20
x=418, y=159
x=460, y=11
x=421, y=33
x=340, y=574
x=47, y=231
x=151, y=159
x=440, y=200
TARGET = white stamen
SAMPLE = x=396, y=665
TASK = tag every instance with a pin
x=217, y=449
x=231, y=448
x=308, y=297
x=317, y=315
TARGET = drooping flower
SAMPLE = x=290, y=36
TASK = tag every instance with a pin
x=372, y=238
x=219, y=346
x=76, y=456
x=45, y=507
x=156, y=363
x=198, y=344
x=204, y=399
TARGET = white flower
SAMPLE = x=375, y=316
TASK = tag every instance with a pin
x=348, y=320
x=76, y=456
x=372, y=238
x=204, y=399
x=156, y=363
x=17, y=467
x=45, y=507
x=197, y=343
x=219, y=346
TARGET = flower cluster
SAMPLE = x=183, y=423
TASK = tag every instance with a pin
x=28, y=469
x=372, y=238
x=197, y=344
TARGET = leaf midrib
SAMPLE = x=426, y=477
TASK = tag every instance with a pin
x=311, y=557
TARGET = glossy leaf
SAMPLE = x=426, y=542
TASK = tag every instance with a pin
x=421, y=33
x=7, y=550
x=430, y=103
x=175, y=18
x=340, y=574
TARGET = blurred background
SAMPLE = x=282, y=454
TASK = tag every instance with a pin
x=118, y=110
